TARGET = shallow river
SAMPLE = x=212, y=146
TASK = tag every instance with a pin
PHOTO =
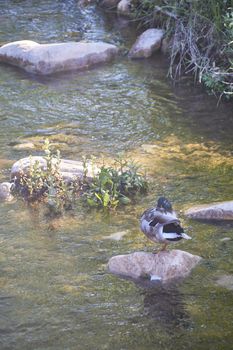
x=55, y=290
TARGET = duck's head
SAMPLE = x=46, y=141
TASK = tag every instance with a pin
x=164, y=204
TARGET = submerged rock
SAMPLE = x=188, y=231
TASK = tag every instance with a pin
x=225, y=281
x=147, y=43
x=70, y=169
x=49, y=58
x=5, y=192
x=164, y=266
x=24, y=146
x=212, y=211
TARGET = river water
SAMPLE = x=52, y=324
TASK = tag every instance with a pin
x=56, y=292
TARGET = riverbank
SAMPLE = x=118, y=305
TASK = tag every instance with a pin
x=199, y=37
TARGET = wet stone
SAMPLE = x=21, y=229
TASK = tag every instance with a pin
x=164, y=266
x=213, y=211
x=56, y=57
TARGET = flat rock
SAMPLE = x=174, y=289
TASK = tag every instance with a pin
x=147, y=43
x=212, y=211
x=49, y=58
x=165, y=265
x=70, y=169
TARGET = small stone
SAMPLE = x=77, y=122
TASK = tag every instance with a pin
x=124, y=8
x=225, y=281
x=117, y=236
x=5, y=192
x=147, y=43
x=225, y=239
x=24, y=146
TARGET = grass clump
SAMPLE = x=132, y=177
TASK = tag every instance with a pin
x=200, y=38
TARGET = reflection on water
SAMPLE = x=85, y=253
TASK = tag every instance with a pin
x=55, y=291
x=165, y=305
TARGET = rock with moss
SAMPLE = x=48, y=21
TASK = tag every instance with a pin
x=212, y=211
x=147, y=43
x=50, y=58
x=163, y=266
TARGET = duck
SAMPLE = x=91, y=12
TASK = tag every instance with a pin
x=161, y=225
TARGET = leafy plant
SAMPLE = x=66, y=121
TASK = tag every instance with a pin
x=116, y=185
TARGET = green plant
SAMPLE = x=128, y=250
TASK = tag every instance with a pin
x=116, y=185
x=46, y=184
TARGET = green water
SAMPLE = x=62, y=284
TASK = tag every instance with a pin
x=56, y=292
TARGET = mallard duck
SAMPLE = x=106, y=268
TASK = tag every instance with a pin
x=161, y=225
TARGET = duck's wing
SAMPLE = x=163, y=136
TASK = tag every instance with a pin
x=154, y=217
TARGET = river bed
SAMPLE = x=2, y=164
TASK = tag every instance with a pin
x=56, y=292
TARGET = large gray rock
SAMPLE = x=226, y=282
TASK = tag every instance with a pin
x=147, y=43
x=212, y=211
x=49, y=58
x=164, y=266
x=69, y=169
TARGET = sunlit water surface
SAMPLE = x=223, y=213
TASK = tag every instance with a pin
x=55, y=290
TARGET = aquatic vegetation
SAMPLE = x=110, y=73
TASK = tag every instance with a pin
x=110, y=186
x=116, y=185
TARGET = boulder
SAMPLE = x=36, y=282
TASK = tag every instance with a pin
x=147, y=43
x=212, y=211
x=5, y=192
x=49, y=58
x=163, y=266
x=70, y=169
x=124, y=8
